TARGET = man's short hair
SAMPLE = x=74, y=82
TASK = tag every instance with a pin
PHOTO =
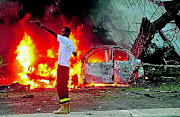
x=67, y=29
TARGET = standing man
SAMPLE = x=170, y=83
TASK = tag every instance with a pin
x=66, y=48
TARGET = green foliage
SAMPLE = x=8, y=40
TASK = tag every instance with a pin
x=1, y=60
x=164, y=87
x=168, y=87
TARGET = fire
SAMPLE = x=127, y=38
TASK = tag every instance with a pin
x=46, y=71
x=106, y=85
x=50, y=53
x=44, y=75
x=75, y=69
x=25, y=52
x=76, y=72
x=25, y=56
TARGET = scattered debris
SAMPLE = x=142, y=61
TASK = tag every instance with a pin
x=162, y=73
x=16, y=87
x=147, y=95
x=100, y=107
x=39, y=109
x=28, y=96
x=146, y=89
x=88, y=113
x=162, y=91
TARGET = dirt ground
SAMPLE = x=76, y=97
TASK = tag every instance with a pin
x=87, y=99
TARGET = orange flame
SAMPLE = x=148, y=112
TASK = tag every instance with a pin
x=44, y=76
x=25, y=56
x=25, y=52
x=106, y=85
x=50, y=53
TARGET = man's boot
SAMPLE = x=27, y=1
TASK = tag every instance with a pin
x=65, y=109
x=69, y=107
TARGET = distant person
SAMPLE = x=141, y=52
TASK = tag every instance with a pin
x=66, y=48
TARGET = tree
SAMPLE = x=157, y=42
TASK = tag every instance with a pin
x=149, y=29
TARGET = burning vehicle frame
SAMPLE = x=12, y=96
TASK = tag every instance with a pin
x=110, y=64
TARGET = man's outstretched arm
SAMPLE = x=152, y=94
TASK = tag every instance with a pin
x=44, y=27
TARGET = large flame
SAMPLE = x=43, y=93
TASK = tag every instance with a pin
x=40, y=70
x=25, y=56
x=25, y=52
x=44, y=75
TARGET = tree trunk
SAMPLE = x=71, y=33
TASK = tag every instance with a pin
x=148, y=30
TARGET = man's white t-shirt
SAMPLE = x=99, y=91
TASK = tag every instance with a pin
x=66, y=48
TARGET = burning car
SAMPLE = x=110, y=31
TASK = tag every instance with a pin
x=110, y=64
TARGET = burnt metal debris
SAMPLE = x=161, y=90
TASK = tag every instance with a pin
x=116, y=65
x=158, y=73
x=15, y=87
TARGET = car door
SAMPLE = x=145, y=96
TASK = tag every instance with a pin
x=124, y=66
x=100, y=67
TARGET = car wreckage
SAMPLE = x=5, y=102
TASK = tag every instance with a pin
x=110, y=64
